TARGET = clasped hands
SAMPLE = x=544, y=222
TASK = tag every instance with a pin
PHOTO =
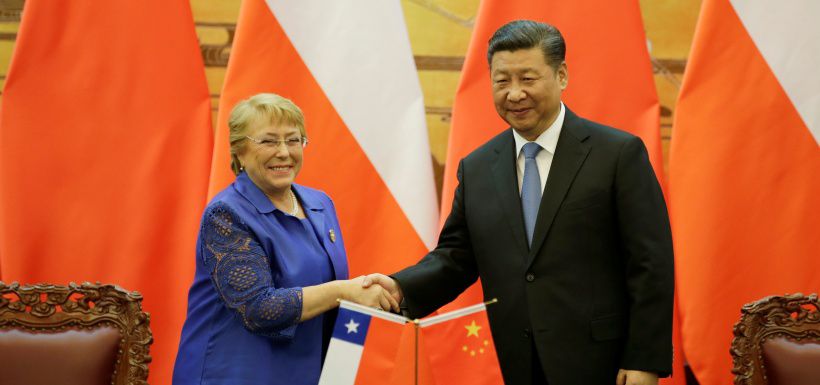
x=374, y=290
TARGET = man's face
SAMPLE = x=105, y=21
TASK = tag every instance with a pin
x=526, y=90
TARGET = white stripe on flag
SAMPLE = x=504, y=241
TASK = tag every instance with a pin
x=786, y=34
x=342, y=369
x=373, y=312
x=359, y=53
x=452, y=315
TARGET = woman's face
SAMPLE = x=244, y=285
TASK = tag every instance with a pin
x=272, y=157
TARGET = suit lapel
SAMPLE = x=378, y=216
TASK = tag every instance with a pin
x=315, y=213
x=506, y=184
x=570, y=154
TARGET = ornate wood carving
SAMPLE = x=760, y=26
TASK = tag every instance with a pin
x=53, y=308
x=792, y=316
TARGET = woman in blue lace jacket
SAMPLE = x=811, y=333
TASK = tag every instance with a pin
x=270, y=263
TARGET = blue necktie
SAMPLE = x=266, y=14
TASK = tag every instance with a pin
x=530, y=188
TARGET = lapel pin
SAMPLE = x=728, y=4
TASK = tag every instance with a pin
x=332, y=236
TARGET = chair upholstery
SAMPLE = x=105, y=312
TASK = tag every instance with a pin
x=777, y=342
x=85, y=334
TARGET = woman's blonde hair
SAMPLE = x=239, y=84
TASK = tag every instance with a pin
x=262, y=108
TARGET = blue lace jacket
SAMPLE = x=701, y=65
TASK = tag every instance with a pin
x=244, y=305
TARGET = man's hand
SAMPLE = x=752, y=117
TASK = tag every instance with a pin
x=636, y=377
x=385, y=282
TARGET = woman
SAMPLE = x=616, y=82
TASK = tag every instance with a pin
x=270, y=263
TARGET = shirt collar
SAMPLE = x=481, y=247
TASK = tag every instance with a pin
x=245, y=186
x=548, y=139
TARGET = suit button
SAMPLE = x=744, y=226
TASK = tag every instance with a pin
x=526, y=333
x=530, y=277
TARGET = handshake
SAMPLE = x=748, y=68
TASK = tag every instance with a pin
x=373, y=290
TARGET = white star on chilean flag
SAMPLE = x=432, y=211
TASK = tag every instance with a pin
x=352, y=327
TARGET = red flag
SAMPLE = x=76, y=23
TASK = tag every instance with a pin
x=745, y=170
x=460, y=348
x=104, y=147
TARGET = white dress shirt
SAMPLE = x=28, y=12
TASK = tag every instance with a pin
x=548, y=140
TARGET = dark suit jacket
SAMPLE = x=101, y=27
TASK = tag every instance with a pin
x=595, y=291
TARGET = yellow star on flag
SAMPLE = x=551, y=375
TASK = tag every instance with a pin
x=472, y=329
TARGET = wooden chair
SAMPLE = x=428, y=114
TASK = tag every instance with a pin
x=777, y=342
x=72, y=335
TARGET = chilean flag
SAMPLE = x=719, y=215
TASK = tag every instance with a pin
x=745, y=169
x=349, y=66
x=346, y=355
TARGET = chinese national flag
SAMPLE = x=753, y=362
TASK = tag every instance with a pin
x=460, y=350
x=105, y=140
x=745, y=169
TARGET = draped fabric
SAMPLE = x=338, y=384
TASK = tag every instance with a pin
x=744, y=170
x=104, y=150
x=348, y=65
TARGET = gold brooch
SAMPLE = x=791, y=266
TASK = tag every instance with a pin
x=332, y=236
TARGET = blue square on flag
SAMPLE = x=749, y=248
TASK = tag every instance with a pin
x=347, y=344
x=351, y=326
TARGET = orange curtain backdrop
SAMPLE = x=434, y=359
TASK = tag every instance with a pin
x=105, y=138
x=744, y=188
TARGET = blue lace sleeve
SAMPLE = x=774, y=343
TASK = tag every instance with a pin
x=240, y=270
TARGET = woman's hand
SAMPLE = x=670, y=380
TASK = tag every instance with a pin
x=373, y=296
x=323, y=297
x=386, y=282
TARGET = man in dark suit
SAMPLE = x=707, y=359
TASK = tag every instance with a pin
x=565, y=223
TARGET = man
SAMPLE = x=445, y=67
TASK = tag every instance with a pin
x=565, y=223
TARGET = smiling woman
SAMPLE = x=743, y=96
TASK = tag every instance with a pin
x=270, y=260
x=267, y=139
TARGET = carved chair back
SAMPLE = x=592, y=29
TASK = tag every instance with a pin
x=777, y=342
x=77, y=334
